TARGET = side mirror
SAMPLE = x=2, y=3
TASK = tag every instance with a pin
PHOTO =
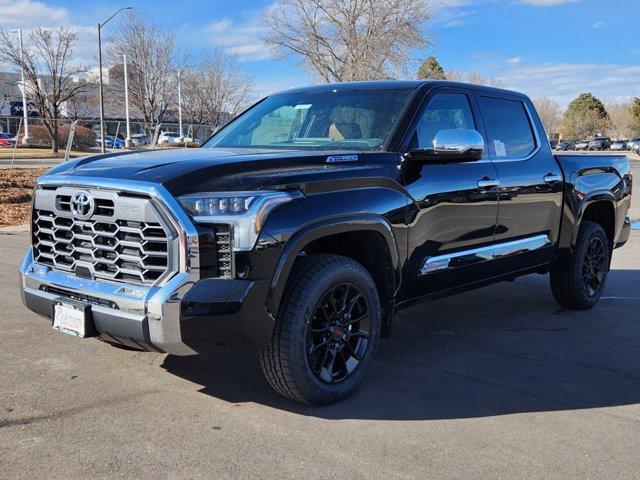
x=451, y=146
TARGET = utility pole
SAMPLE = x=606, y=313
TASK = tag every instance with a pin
x=127, y=141
x=101, y=93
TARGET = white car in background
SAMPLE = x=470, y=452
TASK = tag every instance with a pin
x=169, y=137
x=140, y=139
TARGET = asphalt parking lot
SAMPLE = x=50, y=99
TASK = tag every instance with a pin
x=496, y=383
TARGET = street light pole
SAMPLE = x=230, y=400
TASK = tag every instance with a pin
x=101, y=91
x=25, y=113
x=127, y=141
x=180, y=109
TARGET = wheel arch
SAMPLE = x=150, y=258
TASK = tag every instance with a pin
x=341, y=236
x=598, y=207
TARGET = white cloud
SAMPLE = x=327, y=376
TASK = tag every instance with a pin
x=29, y=13
x=564, y=81
x=598, y=25
x=241, y=39
x=515, y=61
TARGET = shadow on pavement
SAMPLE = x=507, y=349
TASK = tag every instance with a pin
x=500, y=350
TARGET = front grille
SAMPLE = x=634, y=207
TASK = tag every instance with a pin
x=135, y=248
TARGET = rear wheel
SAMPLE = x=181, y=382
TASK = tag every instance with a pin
x=326, y=332
x=577, y=283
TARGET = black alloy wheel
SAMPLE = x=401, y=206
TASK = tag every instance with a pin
x=326, y=332
x=578, y=279
x=594, y=267
x=338, y=333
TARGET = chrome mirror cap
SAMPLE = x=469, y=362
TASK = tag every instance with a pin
x=464, y=143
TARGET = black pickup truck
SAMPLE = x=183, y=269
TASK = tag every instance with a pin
x=307, y=222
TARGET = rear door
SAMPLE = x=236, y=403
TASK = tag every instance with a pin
x=531, y=181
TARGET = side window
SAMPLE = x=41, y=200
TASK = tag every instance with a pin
x=446, y=111
x=508, y=128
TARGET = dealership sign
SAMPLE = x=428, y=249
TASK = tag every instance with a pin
x=16, y=109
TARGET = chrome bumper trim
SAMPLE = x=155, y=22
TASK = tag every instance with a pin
x=159, y=304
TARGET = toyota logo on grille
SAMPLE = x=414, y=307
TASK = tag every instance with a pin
x=82, y=205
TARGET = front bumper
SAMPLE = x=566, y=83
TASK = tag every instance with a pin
x=181, y=317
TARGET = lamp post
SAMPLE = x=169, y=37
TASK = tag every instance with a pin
x=101, y=93
x=180, y=108
x=25, y=113
x=127, y=141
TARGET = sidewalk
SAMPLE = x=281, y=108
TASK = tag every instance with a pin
x=30, y=163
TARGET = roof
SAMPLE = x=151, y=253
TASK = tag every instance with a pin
x=389, y=85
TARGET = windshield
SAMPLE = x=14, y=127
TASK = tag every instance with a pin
x=347, y=120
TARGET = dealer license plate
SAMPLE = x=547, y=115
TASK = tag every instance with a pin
x=70, y=319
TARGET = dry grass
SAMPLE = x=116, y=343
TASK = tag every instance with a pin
x=23, y=153
x=16, y=188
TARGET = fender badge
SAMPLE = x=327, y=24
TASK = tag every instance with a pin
x=342, y=158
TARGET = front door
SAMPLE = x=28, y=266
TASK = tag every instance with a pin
x=453, y=216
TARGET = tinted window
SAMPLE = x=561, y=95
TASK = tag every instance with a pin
x=508, y=128
x=446, y=111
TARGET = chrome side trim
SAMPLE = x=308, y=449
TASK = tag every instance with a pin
x=483, y=254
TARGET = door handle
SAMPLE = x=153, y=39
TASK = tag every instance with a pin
x=486, y=183
x=552, y=178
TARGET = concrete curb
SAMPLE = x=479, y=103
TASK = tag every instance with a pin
x=14, y=229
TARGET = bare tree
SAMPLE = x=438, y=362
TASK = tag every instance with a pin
x=5, y=96
x=154, y=57
x=453, y=75
x=550, y=113
x=346, y=40
x=478, y=79
x=51, y=79
x=621, y=119
x=215, y=90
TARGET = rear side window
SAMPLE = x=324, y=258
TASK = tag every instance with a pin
x=508, y=128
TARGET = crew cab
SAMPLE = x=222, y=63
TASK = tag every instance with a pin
x=307, y=222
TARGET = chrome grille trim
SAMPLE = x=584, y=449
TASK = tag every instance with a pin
x=126, y=240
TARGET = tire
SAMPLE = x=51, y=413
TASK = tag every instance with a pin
x=296, y=363
x=573, y=282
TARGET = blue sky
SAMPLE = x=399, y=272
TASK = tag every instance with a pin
x=557, y=48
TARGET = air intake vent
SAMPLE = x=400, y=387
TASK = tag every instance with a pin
x=224, y=258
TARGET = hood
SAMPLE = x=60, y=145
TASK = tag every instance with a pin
x=184, y=171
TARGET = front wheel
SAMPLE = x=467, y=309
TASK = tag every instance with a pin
x=326, y=331
x=577, y=282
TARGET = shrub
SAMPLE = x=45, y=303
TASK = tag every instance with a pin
x=181, y=145
x=83, y=137
x=38, y=136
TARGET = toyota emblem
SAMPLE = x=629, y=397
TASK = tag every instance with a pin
x=82, y=205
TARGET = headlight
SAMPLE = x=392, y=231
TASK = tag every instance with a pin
x=245, y=211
